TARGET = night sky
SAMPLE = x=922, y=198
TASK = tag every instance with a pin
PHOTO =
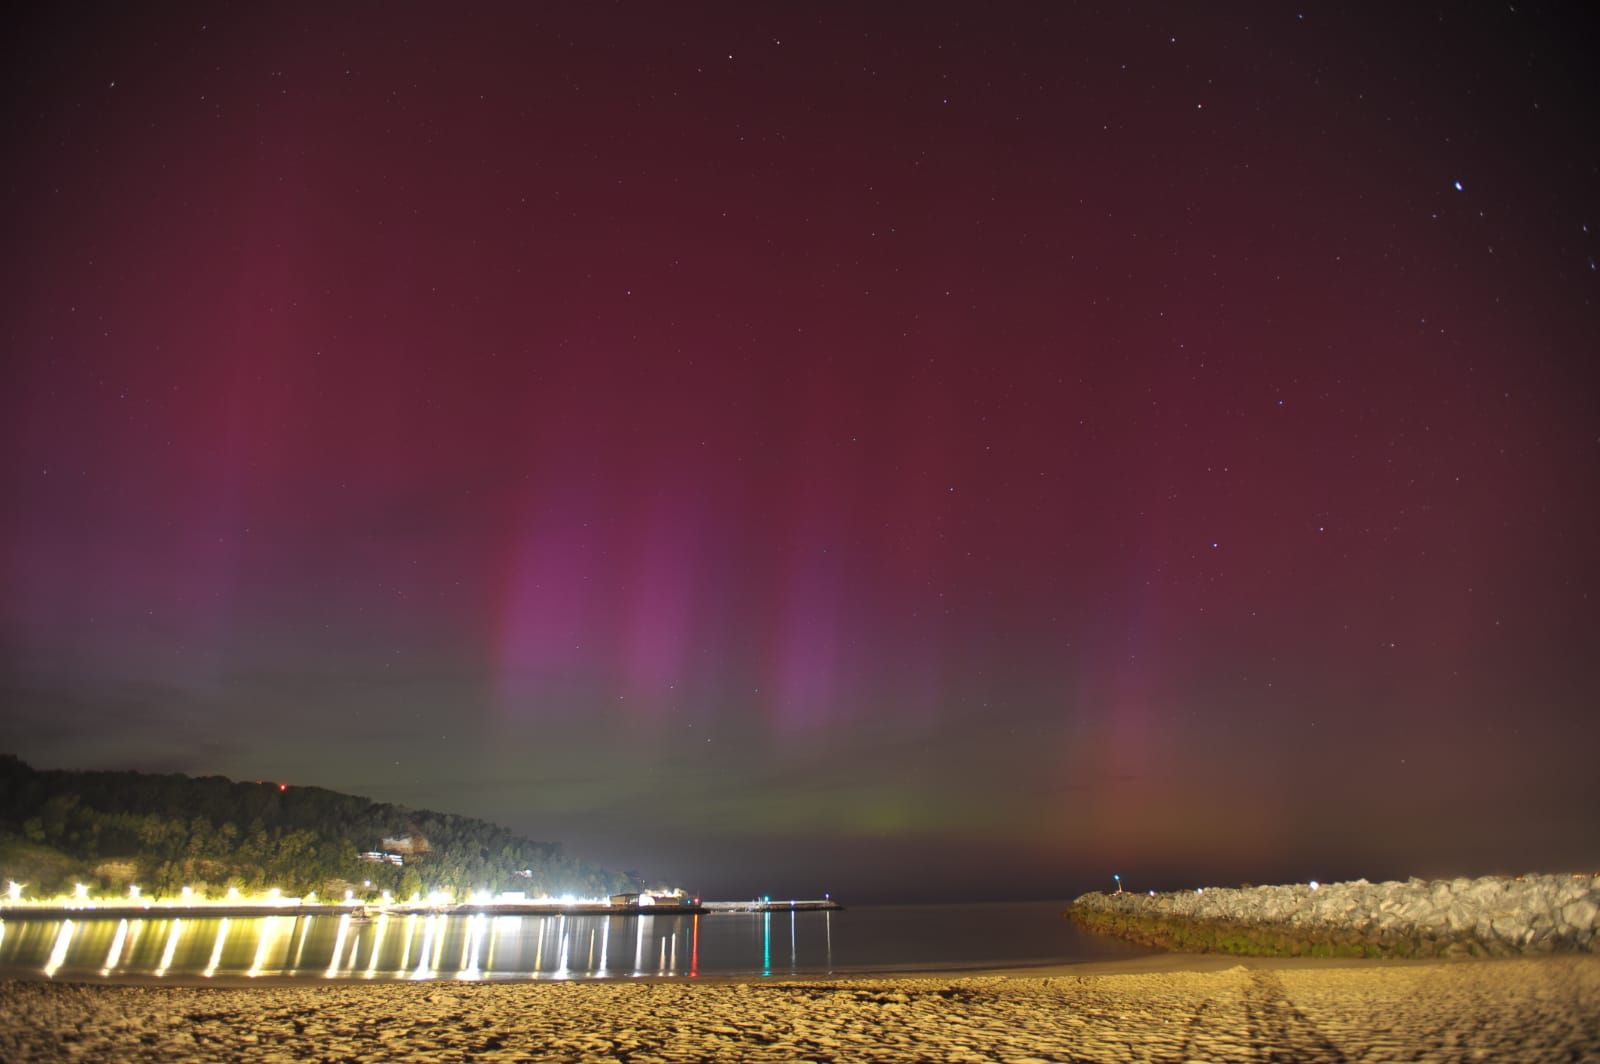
x=916, y=453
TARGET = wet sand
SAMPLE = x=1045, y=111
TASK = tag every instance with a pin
x=1166, y=1008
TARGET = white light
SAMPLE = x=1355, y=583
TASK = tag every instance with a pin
x=349, y=895
x=80, y=891
x=133, y=890
x=187, y=892
x=1314, y=884
x=14, y=890
x=233, y=893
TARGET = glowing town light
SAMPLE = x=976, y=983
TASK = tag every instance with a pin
x=274, y=894
x=416, y=897
x=311, y=899
x=387, y=898
x=133, y=891
x=349, y=895
x=1315, y=884
x=233, y=893
x=80, y=891
x=186, y=893
x=14, y=890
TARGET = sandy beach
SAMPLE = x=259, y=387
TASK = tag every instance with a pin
x=1159, y=1009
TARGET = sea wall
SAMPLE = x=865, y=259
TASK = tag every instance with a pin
x=1492, y=916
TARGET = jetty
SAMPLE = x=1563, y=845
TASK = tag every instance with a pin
x=768, y=905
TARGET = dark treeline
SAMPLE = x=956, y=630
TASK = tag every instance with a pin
x=165, y=832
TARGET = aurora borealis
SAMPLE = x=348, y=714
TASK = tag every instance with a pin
x=776, y=449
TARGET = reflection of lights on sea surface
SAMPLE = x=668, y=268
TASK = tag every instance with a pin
x=58, y=955
x=428, y=932
x=377, y=944
x=605, y=944
x=338, y=946
x=503, y=927
x=116, y=947
x=171, y=948
x=216, y=949
x=266, y=941
x=405, y=951
x=471, y=949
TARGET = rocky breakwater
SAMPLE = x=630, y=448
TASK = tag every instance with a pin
x=1492, y=916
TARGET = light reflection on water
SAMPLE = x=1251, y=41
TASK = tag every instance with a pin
x=471, y=947
x=430, y=946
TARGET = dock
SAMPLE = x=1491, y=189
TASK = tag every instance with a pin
x=770, y=905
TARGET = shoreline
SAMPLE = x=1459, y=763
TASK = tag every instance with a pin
x=1164, y=1007
x=1165, y=962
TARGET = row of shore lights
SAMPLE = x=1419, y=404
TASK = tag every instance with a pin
x=80, y=892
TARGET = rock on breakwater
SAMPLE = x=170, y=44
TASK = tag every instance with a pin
x=1491, y=916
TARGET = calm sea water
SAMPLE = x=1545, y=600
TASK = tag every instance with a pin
x=868, y=939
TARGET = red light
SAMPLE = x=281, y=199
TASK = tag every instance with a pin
x=283, y=787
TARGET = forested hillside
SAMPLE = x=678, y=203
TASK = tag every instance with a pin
x=164, y=832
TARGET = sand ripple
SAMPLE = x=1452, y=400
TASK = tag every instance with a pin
x=1544, y=1009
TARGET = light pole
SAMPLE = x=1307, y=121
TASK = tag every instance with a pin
x=1118, y=878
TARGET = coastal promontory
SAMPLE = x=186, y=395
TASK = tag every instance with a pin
x=1490, y=916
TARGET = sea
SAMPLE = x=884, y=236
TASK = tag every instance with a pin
x=295, y=947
